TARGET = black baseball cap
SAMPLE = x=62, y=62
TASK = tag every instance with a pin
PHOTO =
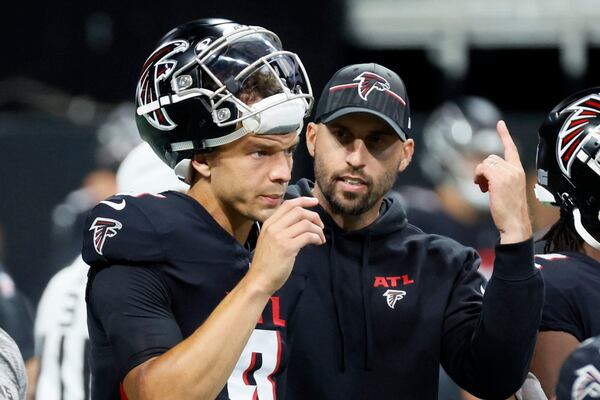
x=369, y=88
x=580, y=372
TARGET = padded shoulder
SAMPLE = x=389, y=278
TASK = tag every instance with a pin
x=122, y=229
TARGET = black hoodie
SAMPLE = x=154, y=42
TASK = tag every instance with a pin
x=384, y=305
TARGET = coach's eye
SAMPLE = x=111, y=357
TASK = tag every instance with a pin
x=342, y=136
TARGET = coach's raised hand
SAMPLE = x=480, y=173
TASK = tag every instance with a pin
x=504, y=179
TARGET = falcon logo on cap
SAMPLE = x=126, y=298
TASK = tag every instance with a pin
x=103, y=228
x=367, y=82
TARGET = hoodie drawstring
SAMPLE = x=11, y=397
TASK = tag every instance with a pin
x=337, y=301
x=367, y=303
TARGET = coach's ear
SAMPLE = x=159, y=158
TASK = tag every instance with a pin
x=408, y=148
x=311, y=137
x=201, y=165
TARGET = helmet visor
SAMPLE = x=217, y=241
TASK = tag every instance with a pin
x=254, y=65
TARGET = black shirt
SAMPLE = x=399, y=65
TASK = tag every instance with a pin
x=160, y=264
x=572, y=295
x=385, y=305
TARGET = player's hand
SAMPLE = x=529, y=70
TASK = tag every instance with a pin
x=282, y=236
x=504, y=179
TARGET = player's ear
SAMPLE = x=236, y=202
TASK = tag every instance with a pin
x=200, y=165
x=311, y=137
x=408, y=148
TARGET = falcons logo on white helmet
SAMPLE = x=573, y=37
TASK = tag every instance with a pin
x=392, y=296
x=587, y=384
x=104, y=228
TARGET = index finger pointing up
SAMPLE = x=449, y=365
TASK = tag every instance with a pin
x=511, y=154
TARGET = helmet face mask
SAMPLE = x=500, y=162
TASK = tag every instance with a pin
x=255, y=51
x=568, y=161
x=210, y=82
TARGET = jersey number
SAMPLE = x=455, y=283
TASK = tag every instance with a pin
x=252, y=377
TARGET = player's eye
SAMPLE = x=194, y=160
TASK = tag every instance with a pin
x=290, y=152
x=259, y=154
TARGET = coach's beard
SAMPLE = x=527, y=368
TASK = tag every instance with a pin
x=348, y=203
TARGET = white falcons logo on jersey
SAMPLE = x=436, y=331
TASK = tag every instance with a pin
x=392, y=296
x=103, y=228
x=587, y=384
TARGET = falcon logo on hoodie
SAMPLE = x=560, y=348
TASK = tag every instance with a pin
x=392, y=296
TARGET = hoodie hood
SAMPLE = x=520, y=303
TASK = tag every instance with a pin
x=348, y=254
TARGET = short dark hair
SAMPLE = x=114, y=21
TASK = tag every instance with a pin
x=259, y=86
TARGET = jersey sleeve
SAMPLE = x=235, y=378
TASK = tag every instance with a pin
x=116, y=231
x=129, y=307
x=498, y=332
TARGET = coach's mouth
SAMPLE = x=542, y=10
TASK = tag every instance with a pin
x=352, y=183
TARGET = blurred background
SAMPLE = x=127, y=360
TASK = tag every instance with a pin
x=69, y=73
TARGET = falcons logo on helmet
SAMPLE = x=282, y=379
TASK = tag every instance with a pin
x=367, y=82
x=158, y=68
x=104, y=228
x=587, y=384
x=573, y=132
x=392, y=296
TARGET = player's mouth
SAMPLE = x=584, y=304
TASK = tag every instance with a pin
x=351, y=183
x=272, y=199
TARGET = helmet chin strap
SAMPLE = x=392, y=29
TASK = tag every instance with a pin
x=183, y=170
x=585, y=235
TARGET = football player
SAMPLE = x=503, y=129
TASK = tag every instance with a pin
x=568, y=165
x=387, y=301
x=61, y=333
x=182, y=293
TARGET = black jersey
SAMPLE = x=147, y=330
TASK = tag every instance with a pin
x=572, y=295
x=383, y=306
x=160, y=264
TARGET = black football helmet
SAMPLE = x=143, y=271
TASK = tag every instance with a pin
x=568, y=161
x=456, y=132
x=193, y=90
